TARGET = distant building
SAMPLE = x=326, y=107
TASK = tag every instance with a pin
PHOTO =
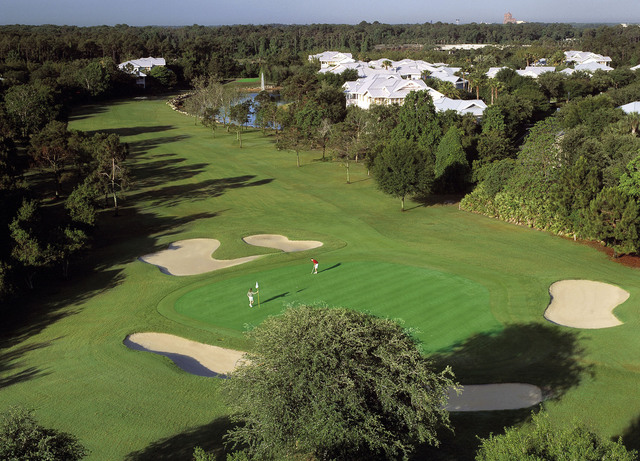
x=137, y=67
x=586, y=57
x=331, y=58
x=508, y=19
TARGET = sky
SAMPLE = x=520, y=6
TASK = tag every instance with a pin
x=219, y=12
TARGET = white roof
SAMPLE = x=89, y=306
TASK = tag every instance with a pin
x=470, y=106
x=636, y=67
x=534, y=71
x=336, y=56
x=583, y=56
x=493, y=71
x=631, y=107
x=592, y=66
x=144, y=63
x=388, y=87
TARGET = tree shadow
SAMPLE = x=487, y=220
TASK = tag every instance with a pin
x=180, y=446
x=88, y=111
x=535, y=353
x=631, y=436
x=132, y=131
x=174, y=195
x=437, y=199
x=463, y=442
x=10, y=363
x=138, y=148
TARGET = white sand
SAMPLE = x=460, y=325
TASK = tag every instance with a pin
x=488, y=397
x=191, y=257
x=281, y=242
x=584, y=304
x=193, y=357
x=205, y=360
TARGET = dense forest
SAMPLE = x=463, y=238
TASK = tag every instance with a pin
x=553, y=153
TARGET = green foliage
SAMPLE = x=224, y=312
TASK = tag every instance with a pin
x=22, y=438
x=613, y=218
x=541, y=441
x=595, y=112
x=451, y=168
x=95, y=77
x=630, y=179
x=163, y=75
x=402, y=169
x=335, y=384
x=418, y=122
x=200, y=455
x=29, y=107
x=50, y=149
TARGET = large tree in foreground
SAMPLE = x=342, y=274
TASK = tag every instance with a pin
x=335, y=384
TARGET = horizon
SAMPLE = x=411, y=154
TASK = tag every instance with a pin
x=164, y=13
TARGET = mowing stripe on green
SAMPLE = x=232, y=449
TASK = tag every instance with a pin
x=443, y=308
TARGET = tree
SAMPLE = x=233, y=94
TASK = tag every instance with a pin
x=542, y=441
x=50, y=149
x=31, y=247
x=21, y=437
x=335, y=384
x=110, y=171
x=95, y=77
x=29, y=107
x=163, y=75
x=613, y=218
x=239, y=113
x=403, y=169
x=418, y=121
x=451, y=168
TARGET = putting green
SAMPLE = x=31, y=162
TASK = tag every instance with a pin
x=443, y=308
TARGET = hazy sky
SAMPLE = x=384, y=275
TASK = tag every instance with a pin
x=215, y=12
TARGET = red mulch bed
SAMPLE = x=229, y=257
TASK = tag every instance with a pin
x=626, y=260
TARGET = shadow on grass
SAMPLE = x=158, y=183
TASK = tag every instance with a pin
x=180, y=446
x=535, y=353
x=132, y=131
x=631, y=436
x=281, y=295
x=10, y=364
x=331, y=267
x=137, y=148
x=176, y=194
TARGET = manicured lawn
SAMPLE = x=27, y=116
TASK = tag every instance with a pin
x=430, y=301
x=475, y=288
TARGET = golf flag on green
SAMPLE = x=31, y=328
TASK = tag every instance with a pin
x=258, y=292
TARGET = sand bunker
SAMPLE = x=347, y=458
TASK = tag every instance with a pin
x=584, y=304
x=191, y=257
x=281, y=242
x=490, y=397
x=212, y=361
x=193, y=357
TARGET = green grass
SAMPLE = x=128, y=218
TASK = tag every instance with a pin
x=426, y=300
x=63, y=355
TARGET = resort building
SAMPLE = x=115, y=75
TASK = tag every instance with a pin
x=138, y=67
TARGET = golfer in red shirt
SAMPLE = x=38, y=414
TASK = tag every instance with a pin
x=315, y=266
